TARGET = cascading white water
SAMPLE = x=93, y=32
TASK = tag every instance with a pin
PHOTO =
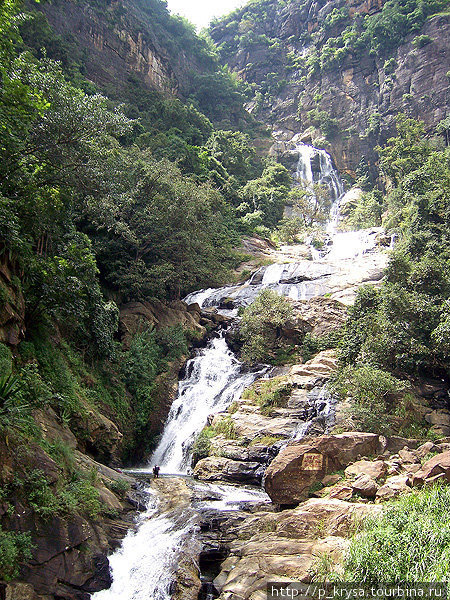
x=323, y=405
x=144, y=566
x=214, y=380
x=316, y=166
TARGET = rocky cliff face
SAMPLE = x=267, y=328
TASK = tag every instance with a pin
x=116, y=39
x=308, y=90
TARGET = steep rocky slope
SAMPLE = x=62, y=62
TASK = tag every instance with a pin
x=314, y=79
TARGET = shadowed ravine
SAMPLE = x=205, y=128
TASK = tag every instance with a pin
x=145, y=566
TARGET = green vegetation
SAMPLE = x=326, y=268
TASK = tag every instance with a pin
x=261, y=325
x=274, y=392
x=409, y=542
x=203, y=447
x=373, y=394
x=14, y=548
x=365, y=212
x=314, y=344
x=402, y=327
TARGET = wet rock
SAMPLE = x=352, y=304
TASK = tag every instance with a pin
x=299, y=465
x=216, y=468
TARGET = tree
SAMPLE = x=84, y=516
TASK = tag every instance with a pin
x=268, y=194
x=312, y=205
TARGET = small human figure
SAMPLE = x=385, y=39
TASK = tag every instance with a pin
x=156, y=470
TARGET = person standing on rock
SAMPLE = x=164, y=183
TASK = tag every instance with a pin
x=156, y=470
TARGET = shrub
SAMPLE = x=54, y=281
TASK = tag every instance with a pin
x=14, y=548
x=313, y=344
x=409, y=542
x=202, y=446
x=372, y=391
x=421, y=40
x=5, y=360
x=119, y=486
x=261, y=325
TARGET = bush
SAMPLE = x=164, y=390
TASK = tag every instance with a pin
x=313, y=344
x=202, y=446
x=14, y=548
x=261, y=325
x=372, y=392
x=421, y=40
x=409, y=542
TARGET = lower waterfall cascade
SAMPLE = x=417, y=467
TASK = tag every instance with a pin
x=144, y=566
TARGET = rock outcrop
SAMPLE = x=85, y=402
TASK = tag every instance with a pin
x=301, y=464
x=360, y=93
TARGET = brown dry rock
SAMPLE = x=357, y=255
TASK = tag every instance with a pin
x=393, y=487
x=331, y=479
x=159, y=315
x=100, y=436
x=375, y=469
x=341, y=491
x=408, y=456
x=365, y=486
x=425, y=449
x=300, y=464
x=438, y=465
x=274, y=546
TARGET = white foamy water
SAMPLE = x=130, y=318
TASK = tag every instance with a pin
x=214, y=379
x=144, y=566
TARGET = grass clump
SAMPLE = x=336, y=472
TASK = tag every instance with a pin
x=409, y=542
x=227, y=428
x=265, y=440
x=270, y=393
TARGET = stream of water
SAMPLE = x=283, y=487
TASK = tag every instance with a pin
x=144, y=567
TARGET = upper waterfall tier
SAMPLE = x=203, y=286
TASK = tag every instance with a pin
x=316, y=166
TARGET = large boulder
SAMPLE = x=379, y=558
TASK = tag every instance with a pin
x=375, y=469
x=437, y=466
x=301, y=464
x=218, y=468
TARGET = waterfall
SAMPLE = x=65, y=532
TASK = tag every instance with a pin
x=316, y=166
x=214, y=379
x=322, y=408
x=144, y=566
